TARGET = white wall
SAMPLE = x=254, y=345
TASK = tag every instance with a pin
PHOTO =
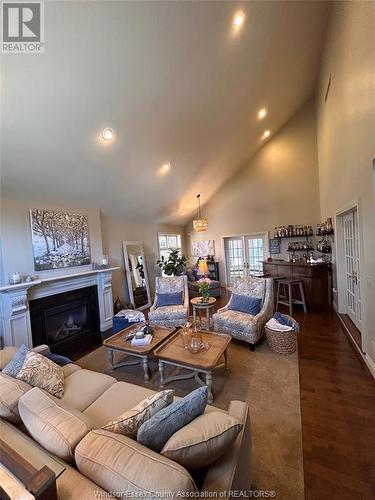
x=278, y=186
x=346, y=132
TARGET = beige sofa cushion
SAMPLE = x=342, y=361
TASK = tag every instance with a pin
x=39, y=371
x=119, y=398
x=129, y=422
x=11, y=389
x=69, y=369
x=57, y=429
x=203, y=441
x=83, y=387
x=119, y=464
x=6, y=354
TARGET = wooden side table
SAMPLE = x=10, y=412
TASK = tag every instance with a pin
x=200, y=306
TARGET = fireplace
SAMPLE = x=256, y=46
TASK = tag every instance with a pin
x=68, y=322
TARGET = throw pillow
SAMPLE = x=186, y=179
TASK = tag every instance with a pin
x=15, y=364
x=169, y=299
x=58, y=359
x=129, y=422
x=245, y=304
x=38, y=371
x=154, y=433
x=203, y=441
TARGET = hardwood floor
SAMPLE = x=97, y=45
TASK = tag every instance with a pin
x=337, y=411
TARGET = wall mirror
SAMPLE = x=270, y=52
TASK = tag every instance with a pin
x=136, y=273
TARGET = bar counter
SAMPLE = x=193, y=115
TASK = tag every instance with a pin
x=315, y=277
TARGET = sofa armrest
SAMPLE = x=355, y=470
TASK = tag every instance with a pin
x=233, y=470
x=42, y=349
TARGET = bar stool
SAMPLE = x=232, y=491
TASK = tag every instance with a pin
x=287, y=298
x=276, y=280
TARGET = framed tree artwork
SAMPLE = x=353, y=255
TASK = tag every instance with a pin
x=60, y=239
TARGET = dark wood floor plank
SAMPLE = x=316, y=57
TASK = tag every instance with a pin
x=337, y=412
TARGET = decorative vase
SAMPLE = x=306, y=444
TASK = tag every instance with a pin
x=195, y=341
x=186, y=335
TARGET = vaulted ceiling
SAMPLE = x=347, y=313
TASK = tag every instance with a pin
x=174, y=81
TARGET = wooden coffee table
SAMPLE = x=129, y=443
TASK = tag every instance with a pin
x=172, y=352
x=118, y=343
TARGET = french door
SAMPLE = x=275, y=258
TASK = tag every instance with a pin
x=352, y=267
x=244, y=255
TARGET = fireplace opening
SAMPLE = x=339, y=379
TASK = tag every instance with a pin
x=68, y=322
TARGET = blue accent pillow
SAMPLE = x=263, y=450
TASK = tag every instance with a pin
x=169, y=299
x=58, y=359
x=156, y=431
x=245, y=304
x=15, y=364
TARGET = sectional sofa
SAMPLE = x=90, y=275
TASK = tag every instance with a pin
x=94, y=462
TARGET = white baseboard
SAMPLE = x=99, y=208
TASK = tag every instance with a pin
x=366, y=358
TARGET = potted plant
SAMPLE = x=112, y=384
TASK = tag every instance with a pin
x=174, y=264
x=204, y=288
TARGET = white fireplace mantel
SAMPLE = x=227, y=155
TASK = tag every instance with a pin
x=14, y=301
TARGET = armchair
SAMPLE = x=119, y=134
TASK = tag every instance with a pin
x=170, y=315
x=244, y=326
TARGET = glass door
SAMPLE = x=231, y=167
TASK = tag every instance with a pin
x=255, y=253
x=234, y=258
x=244, y=255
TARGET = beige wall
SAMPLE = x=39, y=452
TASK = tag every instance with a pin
x=278, y=186
x=118, y=229
x=346, y=132
x=106, y=234
x=16, y=245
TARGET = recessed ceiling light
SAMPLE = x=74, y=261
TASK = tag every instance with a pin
x=107, y=134
x=238, y=19
x=266, y=134
x=164, y=169
x=262, y=113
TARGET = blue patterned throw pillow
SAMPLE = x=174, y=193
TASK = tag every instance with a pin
x=156, y=431
x=169, y=299
x=245, y=304
x=15, y=364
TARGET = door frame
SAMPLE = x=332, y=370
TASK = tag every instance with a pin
x=355, y=205
x=242, y=235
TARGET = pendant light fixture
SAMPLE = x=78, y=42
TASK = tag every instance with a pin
x=200, y=224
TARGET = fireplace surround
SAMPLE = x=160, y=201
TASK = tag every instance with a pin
x=15, y=300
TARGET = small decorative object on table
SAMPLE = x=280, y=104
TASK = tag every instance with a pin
x=204, y=289
x=15, y=278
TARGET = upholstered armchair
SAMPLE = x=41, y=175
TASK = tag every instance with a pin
x=244, y=326
x=170, y=315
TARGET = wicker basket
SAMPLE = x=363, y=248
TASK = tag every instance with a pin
x=282, y=342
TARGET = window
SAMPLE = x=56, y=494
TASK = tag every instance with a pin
x=168, y=242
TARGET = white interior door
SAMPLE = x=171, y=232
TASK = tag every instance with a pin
x=234, y=258
x=351, y=266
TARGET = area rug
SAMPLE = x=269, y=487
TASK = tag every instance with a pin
x=269, y=383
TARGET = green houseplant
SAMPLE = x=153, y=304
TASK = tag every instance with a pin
x=174, y=264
